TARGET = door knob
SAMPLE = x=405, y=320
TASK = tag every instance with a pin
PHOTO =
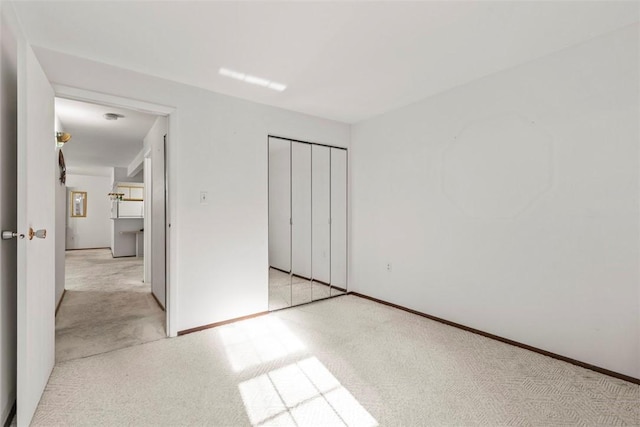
x=8, y=235
x=40, y=234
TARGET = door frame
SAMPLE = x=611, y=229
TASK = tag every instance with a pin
x=171, y=113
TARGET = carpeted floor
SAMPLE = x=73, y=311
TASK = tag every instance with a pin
x=341, y=361
x=106, y=305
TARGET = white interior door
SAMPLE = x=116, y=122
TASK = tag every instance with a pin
x=280, y=204
x=339, y=218
x=36, y=257
x=320, y=207
x=158, y=221
x=148, y=184
x=301, y=209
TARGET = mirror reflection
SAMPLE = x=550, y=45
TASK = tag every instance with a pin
x=321, y=219
x=78, y=203
x=279, y=289
x=301, y=223
x=307, y=222
x=279, y=224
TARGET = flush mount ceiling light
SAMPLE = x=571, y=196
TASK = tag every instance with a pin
x=113, y=116
x=248, y=78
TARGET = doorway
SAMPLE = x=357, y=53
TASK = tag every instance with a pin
x=112, y=291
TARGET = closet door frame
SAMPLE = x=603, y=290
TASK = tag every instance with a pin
x=337, y=282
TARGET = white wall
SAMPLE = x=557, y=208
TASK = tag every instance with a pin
x=217, y=144
x=510, y=204
x=8, y=220
x=91, y=231
x=122, y=175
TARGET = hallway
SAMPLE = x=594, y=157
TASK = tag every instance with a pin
x=106, y=306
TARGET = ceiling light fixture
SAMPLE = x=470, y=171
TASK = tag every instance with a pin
x=248, y=78
x=113, y=116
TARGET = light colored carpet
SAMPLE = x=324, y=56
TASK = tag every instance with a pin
x=106, y=306
x=341, y=361
x=97, y=270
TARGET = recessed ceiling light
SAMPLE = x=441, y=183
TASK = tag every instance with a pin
x=277, y=86
x=247, y=78
x=257, y=81
x=113, y=116
x=233, y=74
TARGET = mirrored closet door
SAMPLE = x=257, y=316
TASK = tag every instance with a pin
x=307, y=222
x=300, y=223
x=321, y=219
x=279, y=224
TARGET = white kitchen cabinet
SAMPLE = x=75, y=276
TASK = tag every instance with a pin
x=136, y=193
x=130, y=209
x=131, y=191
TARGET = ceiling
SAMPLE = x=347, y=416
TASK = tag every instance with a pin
x=346, y=61
x=96, y=141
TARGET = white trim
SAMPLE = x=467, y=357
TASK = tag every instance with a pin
x=138, y=162
x=147, y=260
x=77, y=94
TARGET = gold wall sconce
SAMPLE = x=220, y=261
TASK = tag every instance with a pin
x=61, y=138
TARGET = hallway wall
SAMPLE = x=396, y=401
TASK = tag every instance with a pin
x=91, y=231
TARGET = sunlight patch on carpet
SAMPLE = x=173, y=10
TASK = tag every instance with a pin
x=302, y=393
x=257, y=341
